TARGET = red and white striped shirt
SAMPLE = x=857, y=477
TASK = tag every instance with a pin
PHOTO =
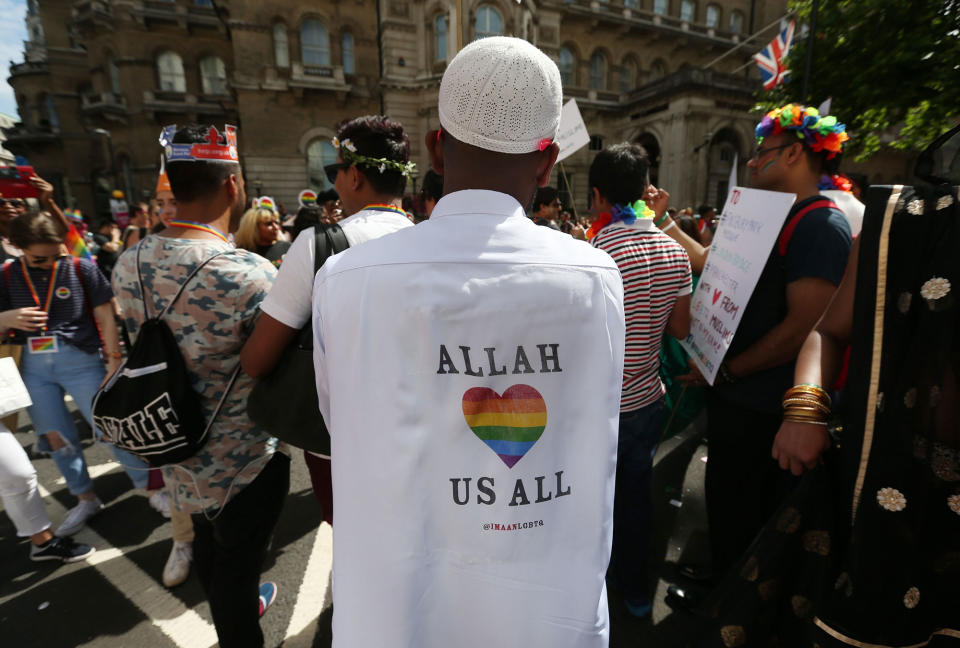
x=655, y=272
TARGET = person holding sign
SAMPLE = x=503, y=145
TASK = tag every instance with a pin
x=657, y=285
x=795, y=145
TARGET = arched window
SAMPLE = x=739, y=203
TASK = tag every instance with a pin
x=661, y=7
x=320, y=152
x=568, y=67
x=598, y=71
x=489, y=22
x=736, y=22
x=713, y=16
x=213, y=76
x=346, y=49
x=281, y=48
x=314, y=43
x=170, y=72
x=50, y=112
x=628, y=76
x=657, y=70
x=688, y=11
x=440, y=25
x=114, y=73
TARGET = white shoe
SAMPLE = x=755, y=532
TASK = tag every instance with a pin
x=160, y=501
x=178, y=564
x=78, y=516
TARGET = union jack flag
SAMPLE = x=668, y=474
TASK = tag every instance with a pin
x=770, y=59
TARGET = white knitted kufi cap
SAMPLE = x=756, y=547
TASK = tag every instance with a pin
x=501, y=94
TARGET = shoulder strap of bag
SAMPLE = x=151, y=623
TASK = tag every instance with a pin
x=86, y=298
x=784, y=240
x=223, y=399
x=143, y=294
x=327, y=241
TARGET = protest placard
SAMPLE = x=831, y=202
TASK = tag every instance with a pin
x=573, y=134
x=748, y=230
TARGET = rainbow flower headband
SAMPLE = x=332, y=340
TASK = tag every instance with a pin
x=348, y=152
x=628, y=214
x=819, y=133
x=837, y=182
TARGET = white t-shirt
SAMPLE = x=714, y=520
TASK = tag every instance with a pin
x=469, y=372
x=288, y=301
x=852, y=208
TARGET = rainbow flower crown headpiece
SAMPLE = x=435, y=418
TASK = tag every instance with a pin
x=348, y=152
x=219, y=147
x=819, y=133
x=837, y=182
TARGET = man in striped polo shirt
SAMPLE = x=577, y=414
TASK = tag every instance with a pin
x=657, y=286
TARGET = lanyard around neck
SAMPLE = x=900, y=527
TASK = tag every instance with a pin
x=33, y=290
x=200, y=227
x=386, y=207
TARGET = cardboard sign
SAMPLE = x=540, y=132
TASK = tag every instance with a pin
x=13, y=393
x=751, y=221
x=573, y=134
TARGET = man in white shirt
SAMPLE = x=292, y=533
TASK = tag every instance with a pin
x=370, y=175
x=469, y=372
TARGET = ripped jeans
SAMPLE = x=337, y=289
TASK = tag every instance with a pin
x=47, y=376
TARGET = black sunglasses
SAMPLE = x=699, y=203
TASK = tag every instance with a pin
x=333, y=169
x=13, y=203
x=763, y=151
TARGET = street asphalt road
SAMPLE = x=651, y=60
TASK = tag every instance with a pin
x=116, y=597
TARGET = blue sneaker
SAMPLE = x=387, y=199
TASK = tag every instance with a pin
x=268, y=594
x=638, y=607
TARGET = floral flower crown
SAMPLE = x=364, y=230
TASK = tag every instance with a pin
x=348, y=152
x=837, y=181
x=819, y=133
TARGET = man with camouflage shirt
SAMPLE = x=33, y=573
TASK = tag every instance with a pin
x=235, y=485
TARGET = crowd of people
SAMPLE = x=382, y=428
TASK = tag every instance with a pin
x=488, y=377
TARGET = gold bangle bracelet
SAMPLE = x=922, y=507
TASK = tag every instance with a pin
x=815, y=392
x=794, y=402
x=793, y=420
x=806, y=411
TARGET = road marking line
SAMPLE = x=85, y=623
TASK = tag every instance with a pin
x=182, y=625
x=311, y=596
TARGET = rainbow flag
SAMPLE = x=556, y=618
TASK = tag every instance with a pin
x=76, y=245
x=510, y=424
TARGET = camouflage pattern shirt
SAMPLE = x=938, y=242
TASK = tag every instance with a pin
x=211, y=321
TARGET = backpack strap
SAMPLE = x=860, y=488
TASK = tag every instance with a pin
x=784, y=241
x=86, y=298
x=143, y=294
x=327, y=241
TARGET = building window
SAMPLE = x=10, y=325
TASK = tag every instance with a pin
x=489, y=22
x=346, y=49
x=657, y=70
x=203, y=3
x=314, y=43
x=50, y=113
x=114, y=72
x=281, y=49
x=170, y=72
x=628, y=76
x=320, y=152
x=596, y=142
x=713, y=16
x=736, y=22
x=631, y=4
x=440, y=24
x=661, y=7
x=598, y=71
x=568, y=66
x=213, y=76
x=688, y=11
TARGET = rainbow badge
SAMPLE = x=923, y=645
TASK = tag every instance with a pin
x=42, y=344
x=308, y=198
x=265, y=202
x=510, y=424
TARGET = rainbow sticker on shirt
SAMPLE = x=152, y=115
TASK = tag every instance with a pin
x=509, y=424
x=43, y=344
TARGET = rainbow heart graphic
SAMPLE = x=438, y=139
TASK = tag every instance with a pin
x=508, y=424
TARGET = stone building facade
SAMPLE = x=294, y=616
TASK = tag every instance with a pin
x=100, y=77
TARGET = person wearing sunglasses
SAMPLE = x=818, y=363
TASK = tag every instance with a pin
x=259, y=231
x=64, y=320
